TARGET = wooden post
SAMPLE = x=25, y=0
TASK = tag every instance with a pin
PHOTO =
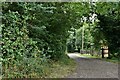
x=102, y=52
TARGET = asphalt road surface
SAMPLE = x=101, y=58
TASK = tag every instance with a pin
x=93, y=68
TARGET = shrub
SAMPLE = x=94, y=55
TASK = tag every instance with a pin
x=21, y=56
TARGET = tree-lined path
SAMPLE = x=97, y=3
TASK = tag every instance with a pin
x=93, y=68
x=36, y=37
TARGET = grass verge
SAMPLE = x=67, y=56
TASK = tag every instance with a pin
x=32, y=68
x=60, y=69
x=113, y=60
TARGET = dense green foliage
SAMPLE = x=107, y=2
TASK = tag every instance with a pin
x=33, y=34
x=103, y=29
x=30, y=35
x=49, y=28
x=109, y=17
x=20, y=53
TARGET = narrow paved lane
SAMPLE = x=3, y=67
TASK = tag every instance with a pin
x=93, y=68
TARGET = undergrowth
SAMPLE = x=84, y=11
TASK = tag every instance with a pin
x=34, y=68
